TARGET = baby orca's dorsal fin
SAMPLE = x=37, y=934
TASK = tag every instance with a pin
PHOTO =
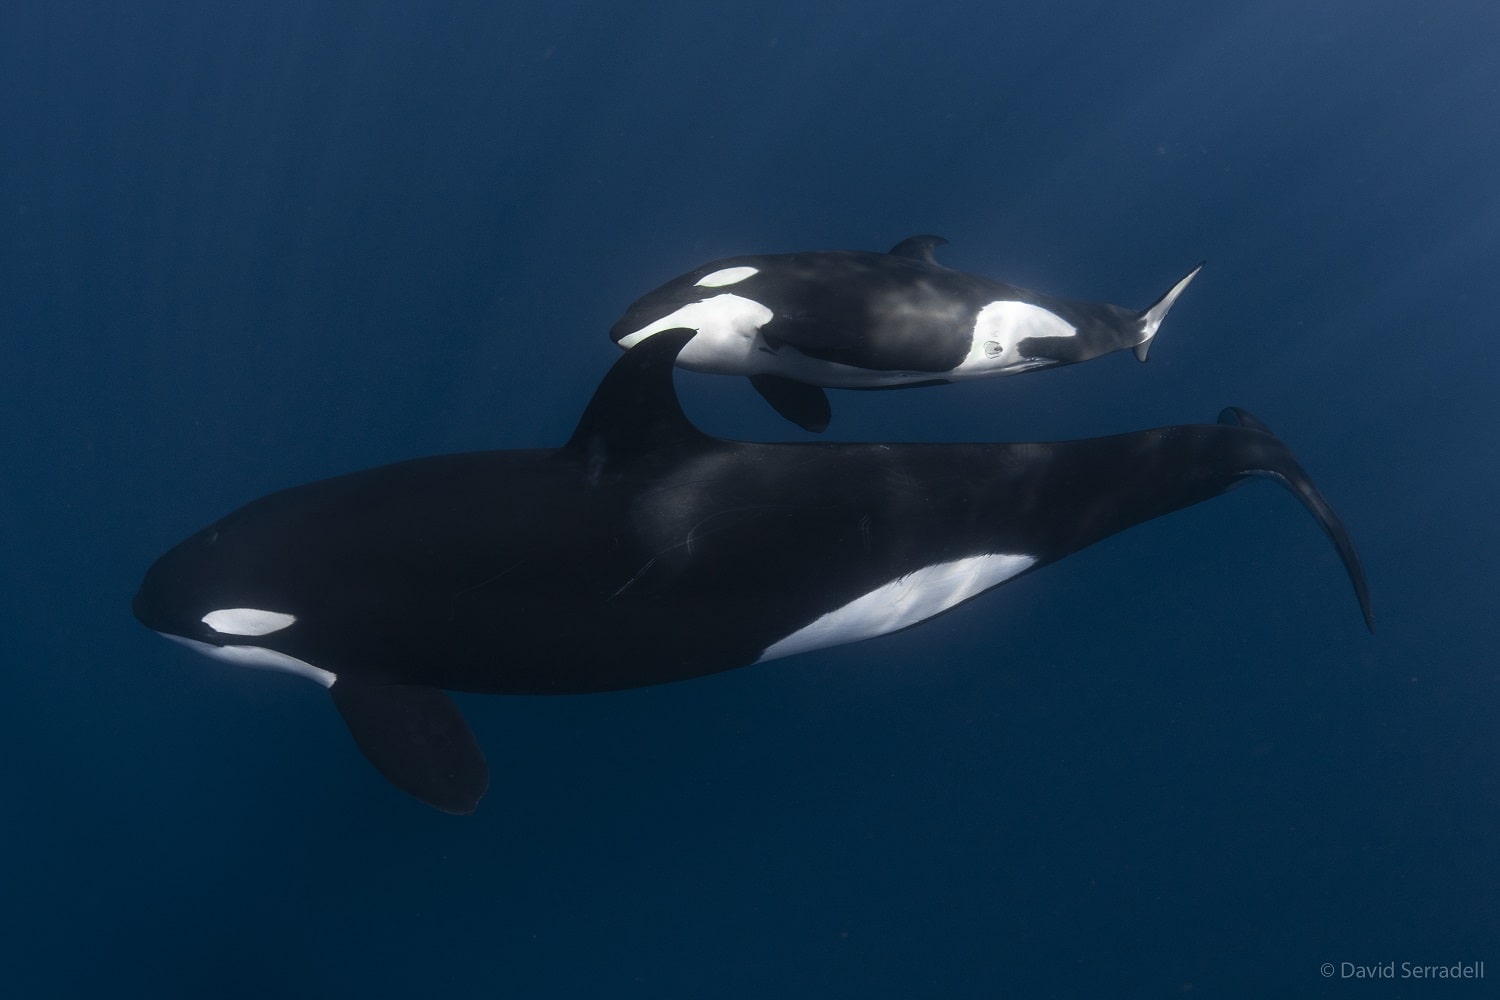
x=635, y=411
x=921, y=248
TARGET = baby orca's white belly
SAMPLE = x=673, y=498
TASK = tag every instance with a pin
x=991, y=345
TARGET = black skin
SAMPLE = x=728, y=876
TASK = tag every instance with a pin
x=644, y=551
x=900, y=311
x=897, y=311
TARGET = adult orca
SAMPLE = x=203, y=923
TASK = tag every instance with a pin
x=850, y=319
x=646, y=551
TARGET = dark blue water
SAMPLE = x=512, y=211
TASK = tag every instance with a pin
x=247, y=246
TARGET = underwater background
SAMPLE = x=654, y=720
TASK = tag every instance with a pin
x=250, y=245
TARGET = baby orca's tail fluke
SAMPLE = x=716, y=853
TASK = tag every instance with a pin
x=1152, y=316
x=1266, y=455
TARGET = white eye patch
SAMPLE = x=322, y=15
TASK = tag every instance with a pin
x=247, y=621
x=726, y=276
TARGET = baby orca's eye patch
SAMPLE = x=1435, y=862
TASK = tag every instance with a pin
x=726, y=276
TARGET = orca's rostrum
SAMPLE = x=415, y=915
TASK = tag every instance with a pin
x=646, y=551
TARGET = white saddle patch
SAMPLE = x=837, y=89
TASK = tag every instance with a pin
x=903, y=602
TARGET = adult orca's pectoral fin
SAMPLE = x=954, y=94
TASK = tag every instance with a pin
x=804, y=405
x=418, y=739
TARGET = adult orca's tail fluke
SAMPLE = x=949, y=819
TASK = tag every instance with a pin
x=1267, y=456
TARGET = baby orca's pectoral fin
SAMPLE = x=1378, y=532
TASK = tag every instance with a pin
x=804, y=405
x=418, y=739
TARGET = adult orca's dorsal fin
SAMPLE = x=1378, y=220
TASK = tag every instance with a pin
x=635, y=410
x=921, y=248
